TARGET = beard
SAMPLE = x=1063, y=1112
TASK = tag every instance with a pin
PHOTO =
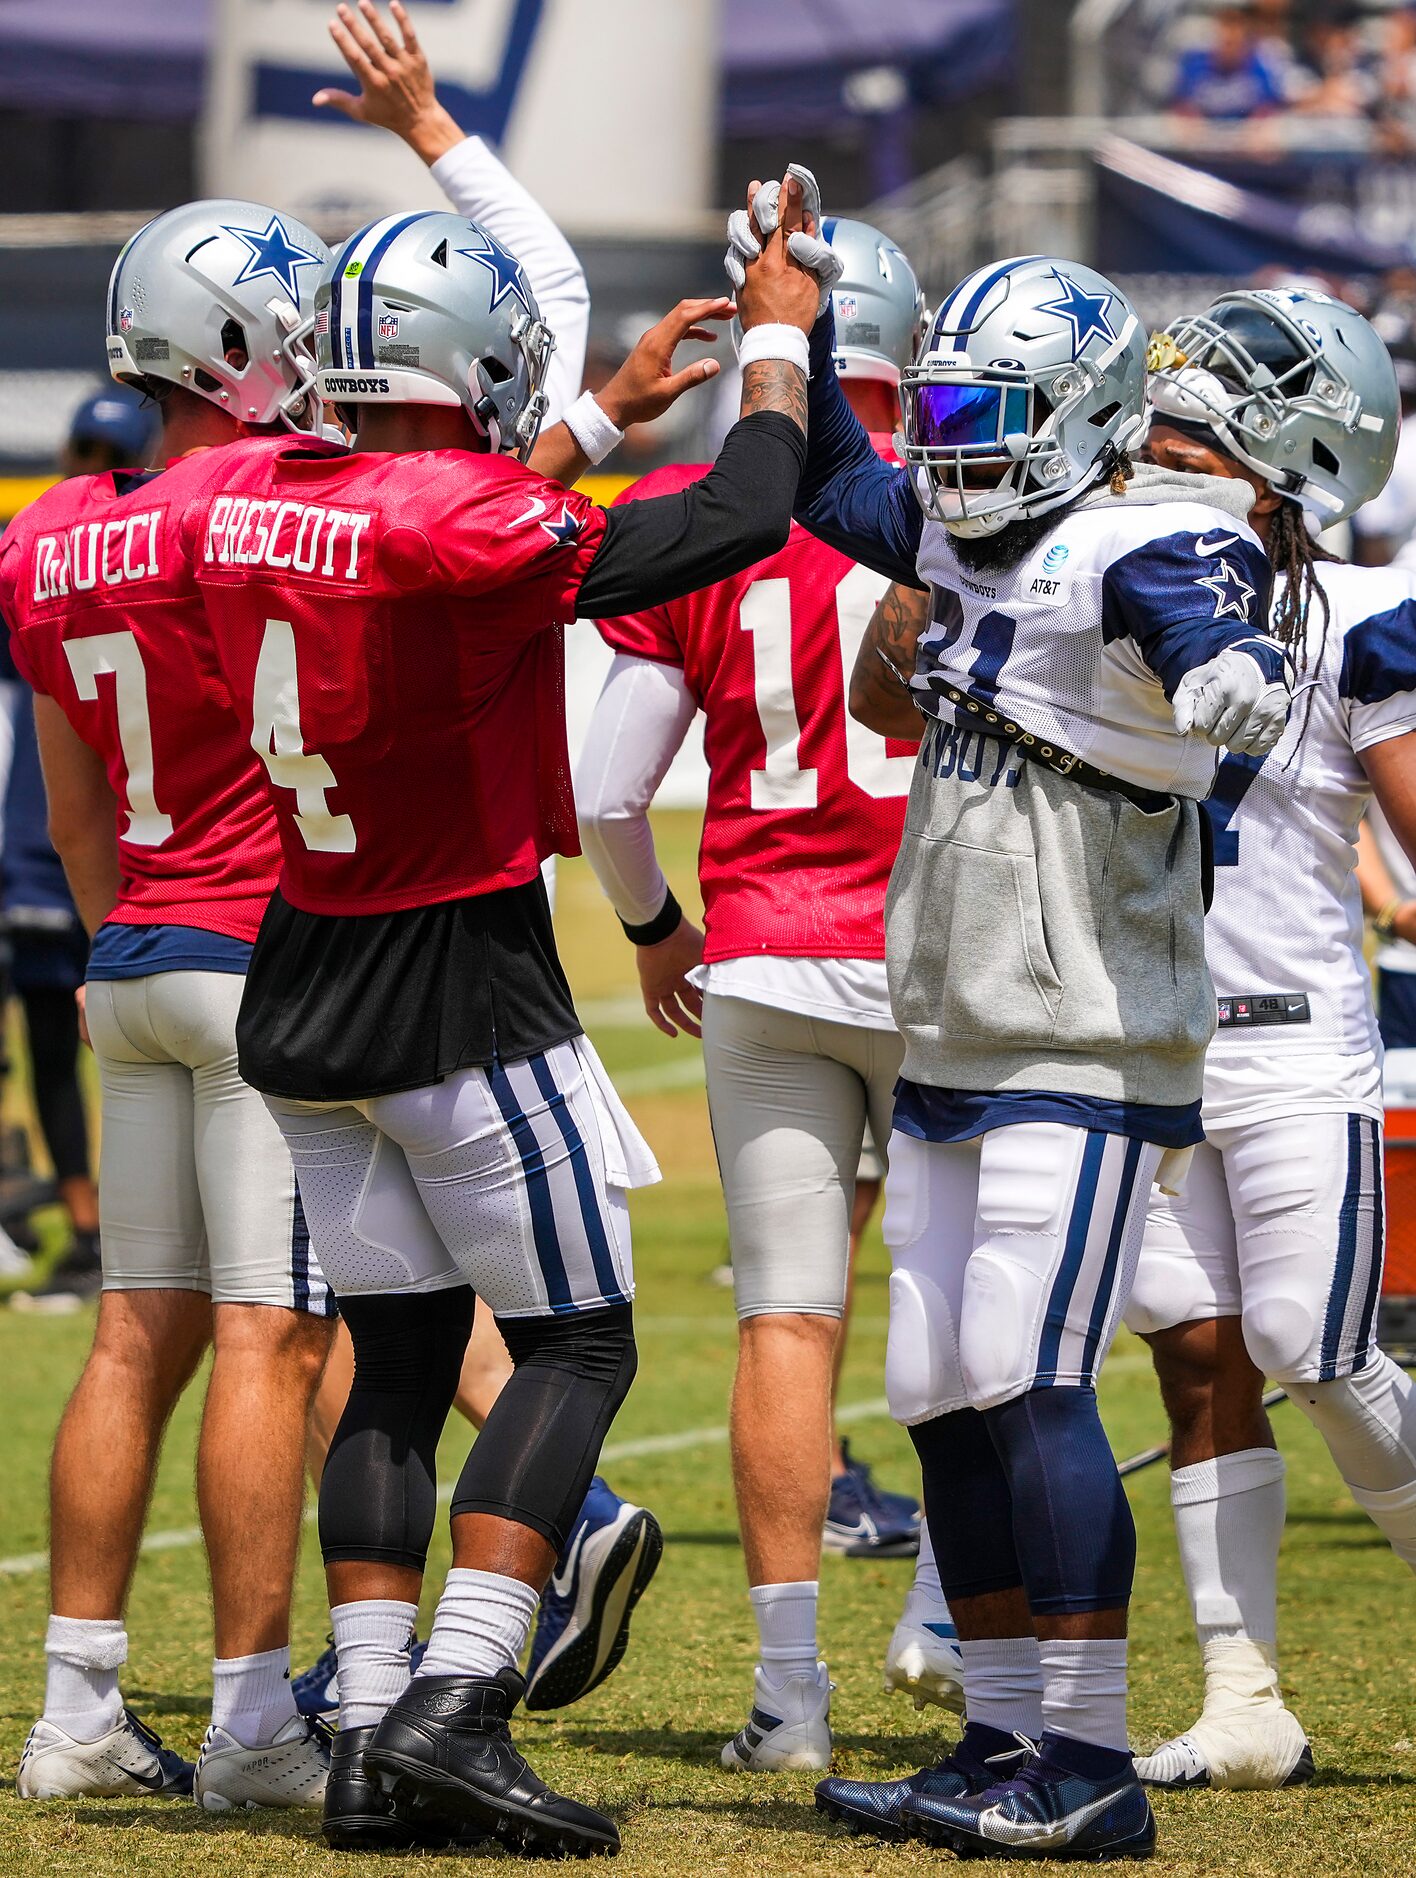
x=998, y=554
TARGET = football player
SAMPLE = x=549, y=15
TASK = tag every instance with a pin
x=582, y=1627
x=388, y=623
x=803, y=820
x=1096, y=632
x=171, y=852
x=1270, y=1261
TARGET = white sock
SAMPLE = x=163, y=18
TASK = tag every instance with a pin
x=786, y=1627
x=372, y=1639
x=1003, y=1684
x=925, y=1602
x=1084, y=1690
x=480, y=1626
x=251, y=1697
x=84, y=1655
x=1228, y=1524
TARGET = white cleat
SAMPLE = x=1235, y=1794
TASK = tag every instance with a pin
x=924, y=1661
x=1245, y=1739
x=291, y=1770
x=126, y=1763
x=789, y=1727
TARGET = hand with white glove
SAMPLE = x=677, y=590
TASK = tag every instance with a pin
x=748, y=228
x=1229, y=701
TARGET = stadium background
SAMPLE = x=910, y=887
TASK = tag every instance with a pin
x=1177, y=144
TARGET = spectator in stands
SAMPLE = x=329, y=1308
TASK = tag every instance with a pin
x=1341, y=76
x=48, y=947
x=1234, y=77
x=1397, y=108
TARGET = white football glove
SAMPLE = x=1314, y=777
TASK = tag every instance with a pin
x=746, y=233
x=1229, y=701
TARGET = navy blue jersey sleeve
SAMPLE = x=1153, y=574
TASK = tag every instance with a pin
x=1183, y=601
x=1379, y=656
x=9, y=671
x=847, y=496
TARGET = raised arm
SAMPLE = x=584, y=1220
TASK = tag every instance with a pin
x=397, y=92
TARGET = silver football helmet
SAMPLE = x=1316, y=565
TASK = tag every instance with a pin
x=878, y=303
x=202, y=280
x=431, y=309
x=1296, y=385
x=1030, y=382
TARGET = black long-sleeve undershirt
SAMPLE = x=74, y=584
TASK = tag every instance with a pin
x=739, y=513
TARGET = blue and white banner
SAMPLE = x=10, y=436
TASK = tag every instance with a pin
x=585, y=103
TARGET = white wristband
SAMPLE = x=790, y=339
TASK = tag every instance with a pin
x=596, y=434
x=775, y=342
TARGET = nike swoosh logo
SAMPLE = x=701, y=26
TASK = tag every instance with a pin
x=1065, y=1828
x=153, y=1782
x=536, y=510
x=561, y=1583
x=1213, y=547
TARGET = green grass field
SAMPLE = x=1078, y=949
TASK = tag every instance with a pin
x=645, y=1745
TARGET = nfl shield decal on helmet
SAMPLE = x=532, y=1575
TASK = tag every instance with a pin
x=388, y=326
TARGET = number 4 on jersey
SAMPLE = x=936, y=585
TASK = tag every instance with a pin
x=277, y=740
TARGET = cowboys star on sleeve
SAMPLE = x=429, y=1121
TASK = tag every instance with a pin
x=1184, y=598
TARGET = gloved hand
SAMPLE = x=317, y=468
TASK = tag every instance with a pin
x=749, y=228
x=1229, y=701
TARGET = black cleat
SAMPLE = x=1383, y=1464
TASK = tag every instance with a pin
x=359, y=1816
x=445, y=1746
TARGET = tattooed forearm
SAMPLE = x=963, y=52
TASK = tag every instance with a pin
x=880, y=683
x=775, y=385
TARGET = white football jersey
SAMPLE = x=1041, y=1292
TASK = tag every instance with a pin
x=1284, y=936
x=1084, y=641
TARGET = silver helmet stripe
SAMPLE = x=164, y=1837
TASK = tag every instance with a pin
x=963, y=325
x=391, y=231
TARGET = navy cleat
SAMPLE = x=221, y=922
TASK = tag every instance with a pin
x=902, y=1507
x=316, y=1689
x=875, y=1806
x=583, y=1626
x=1043, y=1812
x=860, y=1523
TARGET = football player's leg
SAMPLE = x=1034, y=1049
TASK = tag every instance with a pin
x=153, y=1323
x=787, y=1119
x=1310, y=1210
x=1060, y=1215
x=521, y=1169
x=408, y=1309
x=931, y=1194
x=1226, y=1488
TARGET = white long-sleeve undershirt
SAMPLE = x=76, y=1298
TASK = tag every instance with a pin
x=639, y=723
x=478, y=184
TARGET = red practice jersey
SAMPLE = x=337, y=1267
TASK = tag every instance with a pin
x=390, y=628
x=104, y=617
x=805, y=805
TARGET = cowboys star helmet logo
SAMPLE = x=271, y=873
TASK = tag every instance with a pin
x=1233, y=595
x=504, y=269
x=273, y=254
x=1086, y=313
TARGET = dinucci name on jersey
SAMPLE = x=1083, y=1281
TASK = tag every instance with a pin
x=1085, y=640
x=1284, y=936
x=291, y=537
x=112, y=553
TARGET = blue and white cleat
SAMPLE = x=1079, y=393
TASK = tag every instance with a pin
x=583, y=1627
x=128, y=1762
x=903, y=1508
x=860, y=1522
x=875, y=1806
x=316, y=1689
x=789, y=1728
x=924, y=1661
x=1043, y=1812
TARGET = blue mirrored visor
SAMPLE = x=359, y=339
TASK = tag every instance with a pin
x=949, y=417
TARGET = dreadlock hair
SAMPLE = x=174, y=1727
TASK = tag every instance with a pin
x=1294, y=555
